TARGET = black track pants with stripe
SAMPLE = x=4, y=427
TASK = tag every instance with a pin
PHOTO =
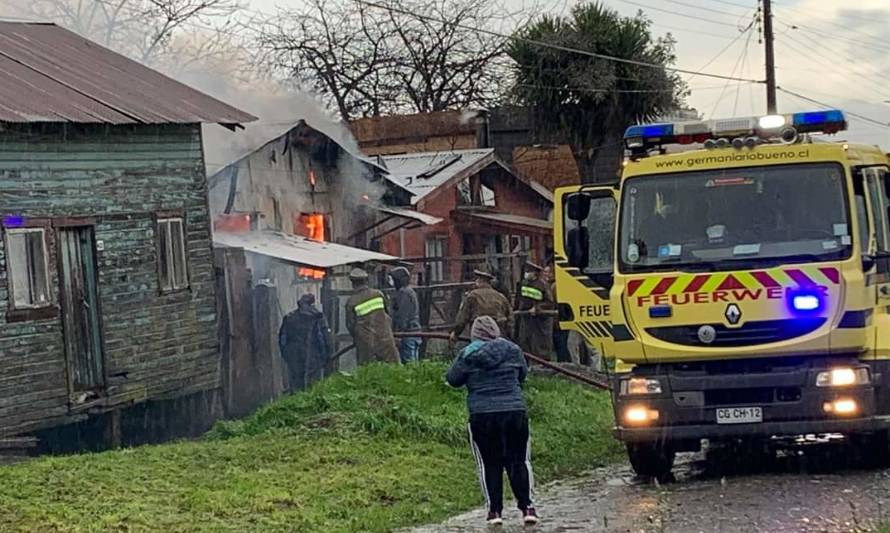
x=500, y=441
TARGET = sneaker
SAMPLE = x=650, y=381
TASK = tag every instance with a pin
x=494, y=519
x=530, y=516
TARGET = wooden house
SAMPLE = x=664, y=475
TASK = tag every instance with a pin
x=107, y=290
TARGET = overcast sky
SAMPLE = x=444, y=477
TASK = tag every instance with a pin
x=832, y=51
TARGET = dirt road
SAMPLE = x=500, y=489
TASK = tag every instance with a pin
x=784, y=494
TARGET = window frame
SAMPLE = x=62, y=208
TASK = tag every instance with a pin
x=162, y=219
x=437, y=268
x=16, y=312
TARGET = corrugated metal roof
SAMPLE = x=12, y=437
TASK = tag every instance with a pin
x=295, y=249
x=402, y=212
x=51, y=74
x=424, y=172
x=515, y=220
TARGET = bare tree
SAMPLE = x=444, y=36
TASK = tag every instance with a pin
x=337, y=49
x=154, y=32
x=410, y=56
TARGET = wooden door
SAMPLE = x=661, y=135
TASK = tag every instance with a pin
x=80, y=309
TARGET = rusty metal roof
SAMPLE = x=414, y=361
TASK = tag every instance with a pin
x=50, y=74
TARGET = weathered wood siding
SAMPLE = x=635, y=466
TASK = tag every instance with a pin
x=156, y=345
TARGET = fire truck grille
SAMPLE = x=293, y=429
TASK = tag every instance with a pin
x=749, y=334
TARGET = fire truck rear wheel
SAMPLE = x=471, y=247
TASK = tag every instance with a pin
x=651, y=459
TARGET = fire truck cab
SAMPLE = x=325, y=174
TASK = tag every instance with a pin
x=736, y=292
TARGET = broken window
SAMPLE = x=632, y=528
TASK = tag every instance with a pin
x=172, y=265
x=28, y=267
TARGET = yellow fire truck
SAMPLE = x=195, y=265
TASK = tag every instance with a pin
x=739, y=292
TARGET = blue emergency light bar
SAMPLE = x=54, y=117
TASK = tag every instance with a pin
x=739, y=132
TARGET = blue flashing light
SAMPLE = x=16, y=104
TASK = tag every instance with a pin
x=648, y=131
x=13, y=221
x=661, y=311
x=817, y=118
x=806, y=302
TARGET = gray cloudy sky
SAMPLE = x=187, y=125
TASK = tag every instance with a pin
x=833, y=51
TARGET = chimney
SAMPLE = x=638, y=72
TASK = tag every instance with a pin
x=483, y=129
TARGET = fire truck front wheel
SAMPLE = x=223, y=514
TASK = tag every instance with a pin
x=651, y=459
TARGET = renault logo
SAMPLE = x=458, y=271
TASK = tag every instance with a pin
x=733, y=314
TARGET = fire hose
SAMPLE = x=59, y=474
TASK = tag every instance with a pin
x=587, y=380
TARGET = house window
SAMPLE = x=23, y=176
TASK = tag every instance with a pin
x=27, y=261
x=435, y=247
x=172, y=265
x=472, y=192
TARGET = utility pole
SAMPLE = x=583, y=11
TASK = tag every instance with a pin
x=770, y=57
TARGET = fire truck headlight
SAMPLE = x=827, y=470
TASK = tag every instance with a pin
x=639, y=415
x=842, y=377
x=639, y=386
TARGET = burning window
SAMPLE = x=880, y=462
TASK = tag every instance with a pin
x=311, y=226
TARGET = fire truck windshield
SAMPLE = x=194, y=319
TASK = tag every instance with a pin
x=728, y=219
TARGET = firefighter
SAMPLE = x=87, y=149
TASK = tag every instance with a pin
x=305, y=343
x=535, y=323
x=367, y=321
x=481, y=301
x=405, y=314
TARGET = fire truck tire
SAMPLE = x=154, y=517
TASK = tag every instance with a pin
x=651, y=459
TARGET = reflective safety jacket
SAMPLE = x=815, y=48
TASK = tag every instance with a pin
x=370, y=326
x=535, y=332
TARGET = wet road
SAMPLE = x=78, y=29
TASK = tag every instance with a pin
x=781, y=494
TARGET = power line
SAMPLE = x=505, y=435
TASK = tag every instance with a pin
x=867, y=77
x=708, y=9
x=697, y=32
x=725, y=2
x=819, y=33
x=734, y=68
x=839, y=15
x=738, y=89
x=544, y=44
x=703, y=19
x=725, y=48
x=829, y=106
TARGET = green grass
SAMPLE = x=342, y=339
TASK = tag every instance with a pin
x=383, y=449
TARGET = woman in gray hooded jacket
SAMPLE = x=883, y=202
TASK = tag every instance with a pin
x=493, y=370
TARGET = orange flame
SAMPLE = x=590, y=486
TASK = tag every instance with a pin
x=312, y=178
x=314, y=223
x=310, y=273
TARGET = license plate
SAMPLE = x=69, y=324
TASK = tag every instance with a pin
x=739, y=415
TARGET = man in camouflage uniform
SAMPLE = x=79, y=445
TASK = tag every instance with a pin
x=367, y=321
x=484, y=300
x=535, y=322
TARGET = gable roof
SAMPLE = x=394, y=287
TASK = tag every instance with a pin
x=50, y=74
x=423, y=173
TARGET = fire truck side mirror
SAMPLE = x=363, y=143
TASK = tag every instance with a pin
x=578, y=247
x=578, y=206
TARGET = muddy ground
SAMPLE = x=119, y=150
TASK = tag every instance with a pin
x=810, y=489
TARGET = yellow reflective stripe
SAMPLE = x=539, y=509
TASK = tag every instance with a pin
x=531, y=292
x=369, y=306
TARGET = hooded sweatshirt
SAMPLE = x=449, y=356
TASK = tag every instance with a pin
x=492, y=372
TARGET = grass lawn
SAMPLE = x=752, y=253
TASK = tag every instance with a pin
x=382, y=449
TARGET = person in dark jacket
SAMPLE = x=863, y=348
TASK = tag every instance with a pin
x=305, y=343
x=405, y=314
x=368, y=322
x=493, y=369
